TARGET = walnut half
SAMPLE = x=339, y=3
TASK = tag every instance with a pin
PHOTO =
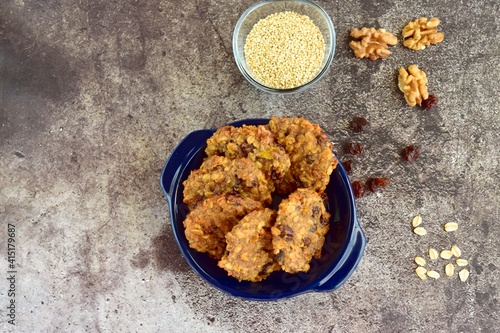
x=372, y=43
x=421, y=33
x=413, y=84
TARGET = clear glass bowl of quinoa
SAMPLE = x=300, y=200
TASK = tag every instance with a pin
x=284, y=46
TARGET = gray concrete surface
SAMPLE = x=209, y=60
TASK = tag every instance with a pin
x=94, y=95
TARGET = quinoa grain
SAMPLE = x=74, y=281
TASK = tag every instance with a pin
x=284, y=50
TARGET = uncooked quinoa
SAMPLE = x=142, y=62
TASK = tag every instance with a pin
x=284, y=50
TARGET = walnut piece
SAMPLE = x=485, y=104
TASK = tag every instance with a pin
x=372, y=43
x=421, y=33
x=413, y=84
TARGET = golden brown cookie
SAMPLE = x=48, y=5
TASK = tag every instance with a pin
x=299, y=232
x=255, y=142
x=249, y=252
x=220, y=175
x=311, y=156
x=207, y=225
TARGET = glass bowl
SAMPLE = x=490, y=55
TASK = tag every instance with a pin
x=265, y=8
x=341, y=252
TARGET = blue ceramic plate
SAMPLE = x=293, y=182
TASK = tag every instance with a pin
x=342, y=251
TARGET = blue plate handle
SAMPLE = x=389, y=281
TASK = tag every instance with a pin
x=180, y=157
x=350, y=262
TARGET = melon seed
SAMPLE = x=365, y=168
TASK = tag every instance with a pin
x=421, y=272
x=420, y=261
x=456, y=251
x=420, y=231
x=433, y=253
x=449, y=269
x=416, y=221
x=463, y=274
x=446, y=254
x=433, y=274
x=450, y=226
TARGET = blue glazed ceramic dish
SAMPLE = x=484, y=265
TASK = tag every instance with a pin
x=342, y=251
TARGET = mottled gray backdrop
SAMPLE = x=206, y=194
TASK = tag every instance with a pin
x=94, y=96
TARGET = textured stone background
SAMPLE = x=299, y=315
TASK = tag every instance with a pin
x=94, y=95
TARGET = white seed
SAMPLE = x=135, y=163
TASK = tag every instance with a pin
x=450, y=226
x=462, y=262
x=446, y=254
x=449, y=269
x=433, y=274
x=420, y=231
x=416, y=221
x=420, y=261
x=421, y=272
x=433, y=254
x=463, y=274
x=456, y=251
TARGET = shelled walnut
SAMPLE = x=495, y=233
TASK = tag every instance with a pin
x=372, y=43
x=413, y=84
x=421, y=33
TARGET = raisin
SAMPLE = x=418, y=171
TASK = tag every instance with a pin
x=211, y=229
x=265, y=268
x=246, y=148
x=354, y=148
x=306, y=241
x=323, y=221
x=358, y=124
x=324, y=198
x=315, y=211
x=410, y=153
x=376, y=184
x=322, y=139
x=313, y=228
x=347, y=166
x=430, y=102
x=359, y=189
x=286, y=232
x=280, y=257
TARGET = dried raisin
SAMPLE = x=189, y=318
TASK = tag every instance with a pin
x=280, y=257
x=286, y=233
x=347, y=166
x=315, y=210
x=410, y=153
x=430, y=102
x=358, y=124
x=359, y=189
x=376, y=184
x=354, y=148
